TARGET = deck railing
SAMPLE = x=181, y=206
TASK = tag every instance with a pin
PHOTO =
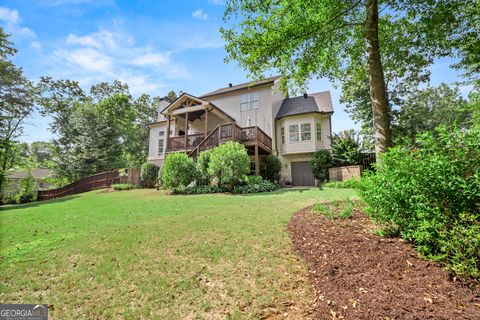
x=178, y=143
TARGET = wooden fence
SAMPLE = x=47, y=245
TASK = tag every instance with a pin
x=97, y=181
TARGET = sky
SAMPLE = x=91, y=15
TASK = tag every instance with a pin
x=154, y=46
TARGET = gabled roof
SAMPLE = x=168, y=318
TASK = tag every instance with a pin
x=320, y=102
x=241, y=86
x=36, y=173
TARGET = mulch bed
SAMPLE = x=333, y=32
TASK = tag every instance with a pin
x=358, y=275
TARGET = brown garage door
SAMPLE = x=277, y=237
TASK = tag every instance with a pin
x=302, y=174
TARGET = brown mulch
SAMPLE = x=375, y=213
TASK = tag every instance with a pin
x=358, y=275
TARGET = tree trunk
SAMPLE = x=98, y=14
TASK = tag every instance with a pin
x=378, y=89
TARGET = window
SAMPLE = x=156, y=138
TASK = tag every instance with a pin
x=282, y=133
x=161, y=143
x=318, y=126
x=302, y=132
x=249, y=101
x=293, y=135
x=305, y=132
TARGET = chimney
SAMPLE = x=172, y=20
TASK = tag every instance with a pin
x=230, y=85
x=305, y=95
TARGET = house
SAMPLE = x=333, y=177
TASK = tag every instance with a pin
x=258, y=115
x=39, y=175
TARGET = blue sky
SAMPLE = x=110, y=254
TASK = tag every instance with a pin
x=154, y=46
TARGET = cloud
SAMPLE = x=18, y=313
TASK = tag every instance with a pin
x=200, y=14
x=36, y=45
x=12, y=20
x=217, y=2
x=113, y=55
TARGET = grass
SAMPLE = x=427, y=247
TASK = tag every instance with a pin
x=336, y=209
x=141, y=254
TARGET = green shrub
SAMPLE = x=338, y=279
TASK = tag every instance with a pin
x=203, y=160
x=347, y=147
x=321, y=162
x=270, y=167
x=255, y=184
x=430, y=195
x=178, y=170
x=28, y=190
x=336, y=209
x=347, y=184
x=197, y=190
x=148, y=174
x=229, y=164
x=123, y=186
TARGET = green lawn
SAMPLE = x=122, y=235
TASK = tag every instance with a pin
x=141, y=254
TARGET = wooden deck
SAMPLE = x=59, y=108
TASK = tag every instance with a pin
x=251, y=137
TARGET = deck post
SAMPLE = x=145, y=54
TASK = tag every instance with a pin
x=167, y=134
x=206, y=123
x=257, y=163
x=186, y=130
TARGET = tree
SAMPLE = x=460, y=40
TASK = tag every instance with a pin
x=17, y=96
x=41, y=153
x=325, y=38
x=171, y=96
x=427, y=109
x=347, y=147
x=321, y=162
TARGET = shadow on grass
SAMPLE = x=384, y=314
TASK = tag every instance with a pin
x=278, y=192
x=36, y=203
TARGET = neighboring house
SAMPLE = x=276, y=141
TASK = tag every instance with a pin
x=39, y=175
x=258, y=115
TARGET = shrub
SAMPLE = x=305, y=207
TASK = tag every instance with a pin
x=336, y=209
x=28, y=190
x=203, y=160
x=197, y=190
x=347, y=184
x=178, y=170
x=255, y=184
x=430, y=195
x=123, y=186
x=148, y=174
x=270, y=167
x=229, y=164
x=321, y=162
x=346, y=147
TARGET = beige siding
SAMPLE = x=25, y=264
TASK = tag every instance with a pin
x=153, y=145
x=287, y=164
x=262, y=117
x=304, y=146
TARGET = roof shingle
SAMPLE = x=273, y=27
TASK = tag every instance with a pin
x=241, y=86
x=320, y=102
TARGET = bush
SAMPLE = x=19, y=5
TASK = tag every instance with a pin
x=430, y=195
x=148, y=174
x=28, y=190
x=178, y=170
x=347, y=148
x=321, y=162
x=197, y=190
x=229, y=164
x=203, y=160
x=336, y=209
x=270, y=167
x=347, y=184
x=123, y=186
x=255, y=184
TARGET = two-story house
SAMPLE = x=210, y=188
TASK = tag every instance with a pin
x=258, y=115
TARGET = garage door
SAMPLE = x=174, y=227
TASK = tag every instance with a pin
x=302, y=174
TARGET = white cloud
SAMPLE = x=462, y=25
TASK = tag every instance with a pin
x=12, y=20
x=200, y=14
x=109, y=55
x=217, y=2
x=9, y=16
x=36, y=45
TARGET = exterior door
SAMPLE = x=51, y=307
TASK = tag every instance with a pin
x=302, y=174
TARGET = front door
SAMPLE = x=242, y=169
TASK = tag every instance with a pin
x=302, y=174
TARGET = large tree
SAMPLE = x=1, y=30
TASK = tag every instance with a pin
x=17, y=96
x=322, y=38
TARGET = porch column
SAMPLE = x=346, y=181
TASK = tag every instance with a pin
x=167, y=134
x=257, y=162
x=206, y=122
x=186, y=130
